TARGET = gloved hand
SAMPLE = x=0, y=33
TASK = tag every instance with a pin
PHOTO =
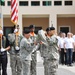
x=16, y=30
x=35, y=48
x=2, y=49
x=1, y=32
x=17, y=48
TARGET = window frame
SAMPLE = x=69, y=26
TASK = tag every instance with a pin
x=65, y=26
x=57, y=3
x=49, y=3
x=8, y=3
x=34, y=4
x=2, y=3
x=24, y=3
x=68, y=3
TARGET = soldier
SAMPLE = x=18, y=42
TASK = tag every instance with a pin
x=3, y=54
x=50, y=53
x=27, y=48
x=33, y=62
x=15, y=61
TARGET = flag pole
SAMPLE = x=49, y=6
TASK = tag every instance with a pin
x=16, y=23
x=14, y=16
x=1, y=22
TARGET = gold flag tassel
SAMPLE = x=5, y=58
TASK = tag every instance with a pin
x=17, y=33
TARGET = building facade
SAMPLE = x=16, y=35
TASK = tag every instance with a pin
x=42, y=13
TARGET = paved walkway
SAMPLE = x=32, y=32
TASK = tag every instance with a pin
x=62, y=70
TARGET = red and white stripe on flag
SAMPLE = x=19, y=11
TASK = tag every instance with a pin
x=14, y=11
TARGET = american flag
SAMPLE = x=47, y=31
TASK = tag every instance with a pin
x=14, y=11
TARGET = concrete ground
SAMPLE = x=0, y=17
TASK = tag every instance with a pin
x=62, y=70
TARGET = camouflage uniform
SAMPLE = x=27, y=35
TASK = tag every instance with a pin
x=34, y=61
x=50, y=55
x=26, y=47
x=15, y=61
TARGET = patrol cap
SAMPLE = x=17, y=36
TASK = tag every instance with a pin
x=52, y=28
x=32, y=26
x=48, y=29
x=16, y=26
x=26, y=31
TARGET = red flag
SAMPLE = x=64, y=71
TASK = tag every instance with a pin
x=14, y=11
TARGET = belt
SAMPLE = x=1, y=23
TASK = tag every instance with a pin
x=3, y=53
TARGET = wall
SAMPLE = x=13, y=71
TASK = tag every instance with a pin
x=69, y=21
x=39, y=22
x=7, y=22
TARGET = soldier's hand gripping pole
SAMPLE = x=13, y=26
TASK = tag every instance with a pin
x=16, y=32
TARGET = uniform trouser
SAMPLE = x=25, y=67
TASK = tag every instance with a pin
x=3, y=64
x=15, y=63
x=50, y=67
x=73, y=57
x=33, y=64
x=69, y=53
x=62, y=56
x=26, y=67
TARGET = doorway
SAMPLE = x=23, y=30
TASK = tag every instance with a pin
x=64, y=29
x=7, y=30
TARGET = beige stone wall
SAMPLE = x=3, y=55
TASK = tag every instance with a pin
x=7, y=22
x=68, y=21
x=44, y=22
x=39, y=22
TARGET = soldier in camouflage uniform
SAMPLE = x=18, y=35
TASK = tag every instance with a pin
x=15, y=61
x=27, y=48
x=34, y=61
x=50, y=52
